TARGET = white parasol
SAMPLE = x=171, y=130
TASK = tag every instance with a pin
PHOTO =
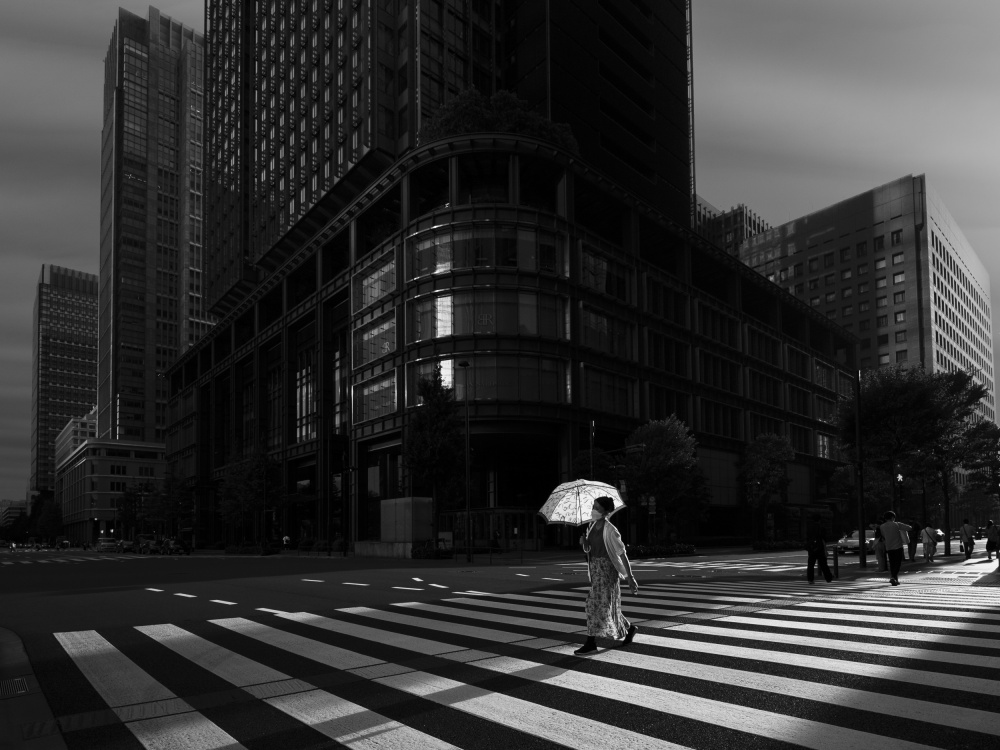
x=570, y=503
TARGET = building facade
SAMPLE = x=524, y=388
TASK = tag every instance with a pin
x=477, y=259
x=307, y=96
x=74, y=434
x=63, y=363
x=727, y=229
x=891, y=266
x=152, y=188
x=11, y=511
x=95, y=481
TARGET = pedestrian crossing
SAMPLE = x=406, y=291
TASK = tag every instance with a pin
x=64, y=559
x=715, y=664
x=752, y=564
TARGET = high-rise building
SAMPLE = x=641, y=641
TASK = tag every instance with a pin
x=63, y=363
x=555, y=288
x=310, y=101
x=151, y=305
x=727, y=229
x=891, y=266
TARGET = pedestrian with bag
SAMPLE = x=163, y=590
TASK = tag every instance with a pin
x=892, y=535
x=929, y=538
x=968, y=536
x=608, y=564
x=816, y=549
x=992, y=540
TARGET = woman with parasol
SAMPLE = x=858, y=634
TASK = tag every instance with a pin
x=608, y=562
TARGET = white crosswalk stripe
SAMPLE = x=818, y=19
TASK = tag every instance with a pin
x=715, y=664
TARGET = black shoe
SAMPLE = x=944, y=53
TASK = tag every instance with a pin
x=893, y=581
x=630, y=635
x=587, y=648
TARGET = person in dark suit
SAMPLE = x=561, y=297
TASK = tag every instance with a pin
x=816, y=547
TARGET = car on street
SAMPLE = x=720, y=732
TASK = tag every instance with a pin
x=148, y=544
x=176, y=546
x=125, y=545
x=107, y=544
x=850, y=542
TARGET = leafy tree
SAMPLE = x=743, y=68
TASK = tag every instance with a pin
x=434, y=450
x=764, y=473
x=914, y=423
x=248, y=487
x=983, y=457
x=170, y=506
x=660, y=460
x=472, y=112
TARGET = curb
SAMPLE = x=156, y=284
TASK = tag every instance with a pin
x=26, y=721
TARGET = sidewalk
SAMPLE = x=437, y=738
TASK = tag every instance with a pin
x=26, y=721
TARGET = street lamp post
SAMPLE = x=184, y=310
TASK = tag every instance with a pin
x=464, y=364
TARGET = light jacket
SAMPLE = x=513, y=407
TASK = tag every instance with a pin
x=613, y=544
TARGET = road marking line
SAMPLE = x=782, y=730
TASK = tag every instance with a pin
x=899, y=635
x=118, y=680
x=420, y=580
x=552, y=579
x=562, y=627
x=852, y=647
x=348, y=583
x=353, y=725
x=439, y=585
x=323, y=653
x=383, y=637
x=189, y=730
x=272, y=611
x=187, y=596
x=407, y=588
x=915, y=622
x=230, y=666
x=523, y=575
x=574, y=613
x=559, y=727
x=444, y=626
x=154, y=590
x=221, y=601
x=312, y=580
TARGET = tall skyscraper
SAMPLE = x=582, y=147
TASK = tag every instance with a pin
x=151, y=306
x=353, y=255
x=892, y=266
x=311, y=100
x=63, y=363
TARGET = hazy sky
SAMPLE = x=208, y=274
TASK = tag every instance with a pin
x=798, y=104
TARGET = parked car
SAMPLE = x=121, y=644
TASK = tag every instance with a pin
x=850, y=542
x=176, y=547
x=126, y=545
x=148, y=545
x=107, y=544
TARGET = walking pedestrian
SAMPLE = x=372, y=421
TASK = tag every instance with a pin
x=892, y=534
x=879, y=548
x=608, y=562
x=992, y=540
x=914, y=539
x=929, y=538
x=968, y=536
x=816, y=549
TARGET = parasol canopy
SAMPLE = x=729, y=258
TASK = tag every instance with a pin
x=571, y=502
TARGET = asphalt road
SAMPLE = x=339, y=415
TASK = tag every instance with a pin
x=734, y=649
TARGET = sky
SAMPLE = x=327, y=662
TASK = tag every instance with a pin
x=798, y=104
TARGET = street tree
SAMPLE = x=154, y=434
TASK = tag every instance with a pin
x=248, y=488
x=913, y=423
x=170, y=505
x=434, y=449
x=660, y=468
x=983, y=458
x=763, y=472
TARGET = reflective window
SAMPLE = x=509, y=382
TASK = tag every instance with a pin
x=487, y=246
x=505, y=378
x=489, y=312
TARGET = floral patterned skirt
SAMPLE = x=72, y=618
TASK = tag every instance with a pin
x=604, y=604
